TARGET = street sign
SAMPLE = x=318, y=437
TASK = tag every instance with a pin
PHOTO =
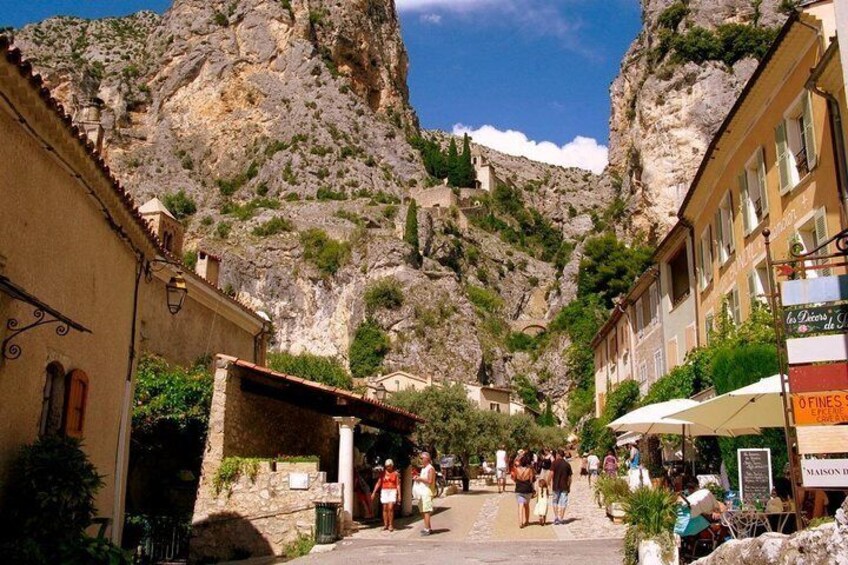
x=812, y=291
x=813, y=440
x=824, y=473
x=817, y=349
x=818, y=378
x=805, y=320
x=820, y=408
x=754, y=474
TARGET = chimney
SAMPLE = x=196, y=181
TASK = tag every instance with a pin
x=208, y=267
x=88, y=119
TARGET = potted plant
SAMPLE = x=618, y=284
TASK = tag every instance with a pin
x=611, y=492
x=650, y=516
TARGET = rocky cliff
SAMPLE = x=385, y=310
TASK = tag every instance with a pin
x=678, y=81
x=286, y=123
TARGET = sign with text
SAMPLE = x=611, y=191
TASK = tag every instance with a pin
x=820, y=408
x=818, y=378
x=801, y=321
x=813, y=440
x=754, y=474
x=817, y=349
x=824, y=473
x=811, y=291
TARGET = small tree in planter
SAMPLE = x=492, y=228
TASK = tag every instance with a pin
x=650, y=516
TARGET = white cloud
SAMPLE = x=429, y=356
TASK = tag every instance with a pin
x=434, y=19
x=582, y=152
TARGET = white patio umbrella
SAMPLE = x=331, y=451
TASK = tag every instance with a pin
x=758, y=405
x=658, y=419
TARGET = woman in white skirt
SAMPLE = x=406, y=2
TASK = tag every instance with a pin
x=389, y=487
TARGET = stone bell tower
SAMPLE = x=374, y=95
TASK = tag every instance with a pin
x=166, y=227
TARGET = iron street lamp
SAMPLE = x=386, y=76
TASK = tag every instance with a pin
x=381, y=392
x=177, y=291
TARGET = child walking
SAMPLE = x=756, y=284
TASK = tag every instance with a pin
x=541, y=509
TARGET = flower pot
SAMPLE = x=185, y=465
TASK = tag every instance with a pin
x=651, y=553
x=616, y=512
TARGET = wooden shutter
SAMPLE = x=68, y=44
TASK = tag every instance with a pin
x=809, y=132
x=640, y=322
x=710, y=253
x=783, y=163
x=76, y=399
x=720, y=236
x=753, y=291
x=737, y=308
x=763, y=180
x=745, y=204
x=821, y=235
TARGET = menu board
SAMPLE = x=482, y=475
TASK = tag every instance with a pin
x=755, y=480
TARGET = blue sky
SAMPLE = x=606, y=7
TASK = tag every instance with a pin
x=523, y=76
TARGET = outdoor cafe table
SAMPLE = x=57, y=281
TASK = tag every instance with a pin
x=745, y=523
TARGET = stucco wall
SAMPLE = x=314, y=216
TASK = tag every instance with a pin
x=59, y=247
x=194, y=332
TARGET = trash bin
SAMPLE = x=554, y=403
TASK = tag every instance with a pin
x=325, y=523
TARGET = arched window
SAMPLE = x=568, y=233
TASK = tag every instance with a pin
x=76, y=399
x=53, y=399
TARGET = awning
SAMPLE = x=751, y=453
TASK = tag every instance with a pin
x=628, y=438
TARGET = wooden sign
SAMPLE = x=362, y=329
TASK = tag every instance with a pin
x=824, y=473
x=754, y=474
x=818, y=378
x=820, y=408
x=811, y=291
x=817, y=349
x=801, y=321
x=813, y=440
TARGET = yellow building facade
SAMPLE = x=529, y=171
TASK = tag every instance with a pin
x=772, y=165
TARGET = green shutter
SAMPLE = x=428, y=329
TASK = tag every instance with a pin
x=783, y=163
x=761, y=177
x=745, y=202
x=719, y=236
x=810, y=132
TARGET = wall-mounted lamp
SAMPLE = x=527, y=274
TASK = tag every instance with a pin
x=177, y=291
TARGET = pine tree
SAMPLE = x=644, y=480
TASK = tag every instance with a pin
x=410, y=234
x=453, y=165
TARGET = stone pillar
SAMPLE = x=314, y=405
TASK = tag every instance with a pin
x=406, y=492
x=346, y=426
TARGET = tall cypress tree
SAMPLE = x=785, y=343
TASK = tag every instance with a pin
x=453, y=165
x=410, y=233
x=467, y=175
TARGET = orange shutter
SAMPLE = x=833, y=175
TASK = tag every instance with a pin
x=76, y=396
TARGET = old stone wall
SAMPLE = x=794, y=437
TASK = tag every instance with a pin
x=258, y=516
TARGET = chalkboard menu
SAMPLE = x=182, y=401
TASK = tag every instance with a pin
x=754, y=475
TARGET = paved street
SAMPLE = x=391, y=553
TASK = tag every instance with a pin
x=482, y=527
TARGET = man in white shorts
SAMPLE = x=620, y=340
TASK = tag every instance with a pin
x=501, y=469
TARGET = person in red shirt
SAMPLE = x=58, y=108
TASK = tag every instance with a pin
x=389, y=487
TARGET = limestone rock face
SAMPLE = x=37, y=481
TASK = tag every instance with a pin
x=298, y=111
x=664, y=113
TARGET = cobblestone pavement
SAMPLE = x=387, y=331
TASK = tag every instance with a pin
x=477, y=527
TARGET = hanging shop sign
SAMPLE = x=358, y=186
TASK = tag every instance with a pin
x=817, y=349
x=812, y=291
x=813, y=440
x=818, y=378
x=824, y=473
x=755, y=480
x=820, y=408
x=802, y=321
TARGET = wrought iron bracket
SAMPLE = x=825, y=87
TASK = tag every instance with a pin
x=12, y=350
x=797, y=252
x=42, y=315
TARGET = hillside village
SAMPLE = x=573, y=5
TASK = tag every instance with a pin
x=218, y=323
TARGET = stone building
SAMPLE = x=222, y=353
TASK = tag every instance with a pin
x=487, y=180
x=258, y=413
x=85, y=287
x=395, y=382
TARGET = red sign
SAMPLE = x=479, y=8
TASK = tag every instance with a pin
x=818, y=378
x=817, y=408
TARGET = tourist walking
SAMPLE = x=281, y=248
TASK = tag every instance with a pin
x=547, y=461
x=389, y=487
x=541, y=509
x=593, y=465
x=425, y=486
x=611, y=464
x=524, y=477
x=561, y=473
x=634, y=465
x=501, y=468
